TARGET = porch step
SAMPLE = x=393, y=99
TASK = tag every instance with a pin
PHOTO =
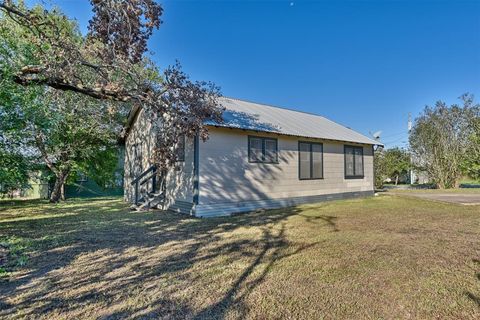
x=152, y=201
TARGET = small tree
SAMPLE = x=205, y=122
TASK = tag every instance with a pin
x=397, y=162
x=440, y=139
x=380, y=168
x=391, y=163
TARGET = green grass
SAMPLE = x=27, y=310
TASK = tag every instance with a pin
x=383, y=257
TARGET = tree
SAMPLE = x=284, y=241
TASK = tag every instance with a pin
x=471, y=162
x=380, y=168
x=42, y=49
x=440, y=140
x=397, y=162
x=66, y=131
x=391, y=163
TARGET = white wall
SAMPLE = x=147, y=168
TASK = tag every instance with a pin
x=139, y=149
x=227, y=176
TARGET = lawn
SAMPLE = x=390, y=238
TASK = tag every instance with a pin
x=458, y=190
x=377, y=258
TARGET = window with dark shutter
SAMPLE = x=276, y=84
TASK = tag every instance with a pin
x=270, y=151
x=310, y=160
x=353, y=162
x=262, y=150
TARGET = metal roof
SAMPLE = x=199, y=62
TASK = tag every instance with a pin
x=259, y=117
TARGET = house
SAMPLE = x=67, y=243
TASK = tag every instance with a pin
x=261, y=156
x=36, y=188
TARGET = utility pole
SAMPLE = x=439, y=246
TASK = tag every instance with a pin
x=409, y=122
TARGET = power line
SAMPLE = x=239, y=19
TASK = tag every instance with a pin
x=394, y=135
x=395, y=140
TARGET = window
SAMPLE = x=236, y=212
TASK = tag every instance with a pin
x=353, y=162
x=262, y=150
x=310, y=160
x=180, y=151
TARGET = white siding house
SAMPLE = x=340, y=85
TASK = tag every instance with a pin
x=259, y=157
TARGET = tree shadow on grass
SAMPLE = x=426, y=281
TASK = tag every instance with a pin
x=471, y=295
x=270, y=254
x=139, y=264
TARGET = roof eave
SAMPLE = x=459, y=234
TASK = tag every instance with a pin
x=132, y=115
x=371, y=143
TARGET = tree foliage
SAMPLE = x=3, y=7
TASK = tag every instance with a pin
x=391, y=163
x=14, y=172
x=109, y=63
x=67, y=132
x=123, y=27
x=379, y=168
x=64, y=130
x=471, y=162
x=79, y=83
x=441, y=141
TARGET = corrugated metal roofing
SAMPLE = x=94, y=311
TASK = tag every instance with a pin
x=259, y=117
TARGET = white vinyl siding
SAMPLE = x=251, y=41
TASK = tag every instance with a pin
x=139, y=151
x=226, y=175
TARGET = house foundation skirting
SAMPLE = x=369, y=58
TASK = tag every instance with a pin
x=226, y=209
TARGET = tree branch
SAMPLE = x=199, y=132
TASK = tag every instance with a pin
x=61, y=84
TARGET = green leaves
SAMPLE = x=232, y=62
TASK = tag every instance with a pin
x=444, y=142
x=14, y=172
x=391, y=163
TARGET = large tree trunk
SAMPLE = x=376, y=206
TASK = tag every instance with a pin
x=396, y=179
x=57, y=191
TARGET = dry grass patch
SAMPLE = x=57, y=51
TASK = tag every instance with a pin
x=385, y=257
x=433, y=191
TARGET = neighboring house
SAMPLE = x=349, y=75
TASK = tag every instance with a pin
x=37, y=187
x=260, y=157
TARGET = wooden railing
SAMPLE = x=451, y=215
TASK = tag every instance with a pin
x=141, y=180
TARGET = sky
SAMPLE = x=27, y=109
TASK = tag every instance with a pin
x=364, y=64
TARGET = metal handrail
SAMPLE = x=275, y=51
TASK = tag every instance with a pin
x=148, y=178
x=153, y=177
x=144, y=173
